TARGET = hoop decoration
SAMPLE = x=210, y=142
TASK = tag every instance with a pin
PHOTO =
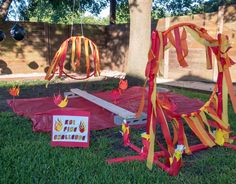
x=91, y=53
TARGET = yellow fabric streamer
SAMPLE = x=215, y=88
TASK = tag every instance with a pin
x=73, y=54
x=154, y=98
x=209, y=142
x=197, y=130
x=78, y=44
x=87, y=56
x=225, y=101
x=215, y=102
x=150, y=156
x=214, y=116
x=197, y=37
x=98, y=61
x=204, y=119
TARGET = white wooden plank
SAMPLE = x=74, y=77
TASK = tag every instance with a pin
x=106, y=105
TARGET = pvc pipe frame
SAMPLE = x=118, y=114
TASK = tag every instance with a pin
x=172, y=169
x=160, y=154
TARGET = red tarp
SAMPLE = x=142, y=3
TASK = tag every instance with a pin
x=39, y=109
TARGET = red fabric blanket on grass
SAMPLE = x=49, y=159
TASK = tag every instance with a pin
x=39, y=109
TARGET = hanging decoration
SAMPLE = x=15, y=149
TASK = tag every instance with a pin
x=2, y=35
x=17, y=32
x=91, y=55
x=81, y=48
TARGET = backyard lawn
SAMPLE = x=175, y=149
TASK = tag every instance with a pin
x=27, y=157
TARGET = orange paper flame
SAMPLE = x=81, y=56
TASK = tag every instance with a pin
x=123, y=84
x=14, y=91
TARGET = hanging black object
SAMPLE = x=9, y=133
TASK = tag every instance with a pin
x=2, y=35
x=17, y=32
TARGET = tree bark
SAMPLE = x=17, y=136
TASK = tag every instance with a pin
x=140, y=36
x=4, y=9
x=112, y=11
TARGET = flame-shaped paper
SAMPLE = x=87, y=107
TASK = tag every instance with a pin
x=123, y=84
x=14, y=91
x=59, y=101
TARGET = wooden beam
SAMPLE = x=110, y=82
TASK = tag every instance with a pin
x=105, y=104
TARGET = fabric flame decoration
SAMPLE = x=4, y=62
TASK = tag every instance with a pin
x=59, y=101
x=78, y=44
x=14, y=91
x=216, y=108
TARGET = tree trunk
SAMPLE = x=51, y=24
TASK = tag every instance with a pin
x=112, y=11
x=140, y=36
x=4, y=9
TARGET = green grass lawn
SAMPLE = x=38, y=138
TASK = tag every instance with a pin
x=27, y=157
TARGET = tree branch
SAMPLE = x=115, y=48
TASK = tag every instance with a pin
x=4, y=9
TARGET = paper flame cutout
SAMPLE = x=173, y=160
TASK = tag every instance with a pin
x=123, y=84
x=59, y=101
x=14, y=91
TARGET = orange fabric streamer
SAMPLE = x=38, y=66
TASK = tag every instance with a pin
x=199, y=131
x=209, y=57
x=179, y=48
x=184, y=43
